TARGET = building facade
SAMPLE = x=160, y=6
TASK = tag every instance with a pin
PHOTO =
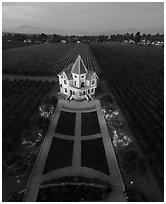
x=76, y=82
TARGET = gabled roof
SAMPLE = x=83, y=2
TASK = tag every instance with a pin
x=79, y=66
x=67, y=71
x=90, y=74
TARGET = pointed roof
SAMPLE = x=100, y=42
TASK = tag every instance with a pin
x=79, y=66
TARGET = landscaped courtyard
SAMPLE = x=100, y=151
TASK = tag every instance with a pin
x=69, y=153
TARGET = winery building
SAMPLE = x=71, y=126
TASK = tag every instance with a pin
x=76, y=82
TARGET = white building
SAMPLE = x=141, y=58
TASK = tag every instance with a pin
x=77, y=82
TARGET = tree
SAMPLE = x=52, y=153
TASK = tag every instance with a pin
x=132, y=36
x=148, y=37
x=144, y=36
x=126, y=36
x=137, y=37
x=53, y=100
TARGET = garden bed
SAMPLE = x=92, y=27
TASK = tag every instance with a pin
x=66, y=123
x=89, y=123
x=60, y=155
x=93, y=155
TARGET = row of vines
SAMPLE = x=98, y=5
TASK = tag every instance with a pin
x=135, y=76
x=43, y=60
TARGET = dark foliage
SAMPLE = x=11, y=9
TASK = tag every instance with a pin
x=20, y=100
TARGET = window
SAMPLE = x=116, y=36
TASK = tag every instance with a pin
x=92, y=90
x=93, y=82
x=75, y=83
x=66, y=90
x=82, y=76
x=61, y=85
x=75, y=76
x=65, y=82
x=82, y=84
x=84, y=92
x=88, y=90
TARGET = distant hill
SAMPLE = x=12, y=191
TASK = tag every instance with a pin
x=37, y=30
x=33, y=30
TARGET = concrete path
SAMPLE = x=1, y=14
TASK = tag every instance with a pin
x=76, y=169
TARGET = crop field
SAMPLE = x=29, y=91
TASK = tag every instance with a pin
x=44, y=59
x=20, y=100
x=135, y=75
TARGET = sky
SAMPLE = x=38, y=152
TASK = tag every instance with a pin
x=85, y=16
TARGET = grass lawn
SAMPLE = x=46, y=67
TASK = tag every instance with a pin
x=93, y=155
x=60, y=155
x=89, y=124
x=66, y=123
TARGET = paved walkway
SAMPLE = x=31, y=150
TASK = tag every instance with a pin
x=76, y=169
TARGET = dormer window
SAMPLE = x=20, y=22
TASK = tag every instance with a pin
x=93, y=82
